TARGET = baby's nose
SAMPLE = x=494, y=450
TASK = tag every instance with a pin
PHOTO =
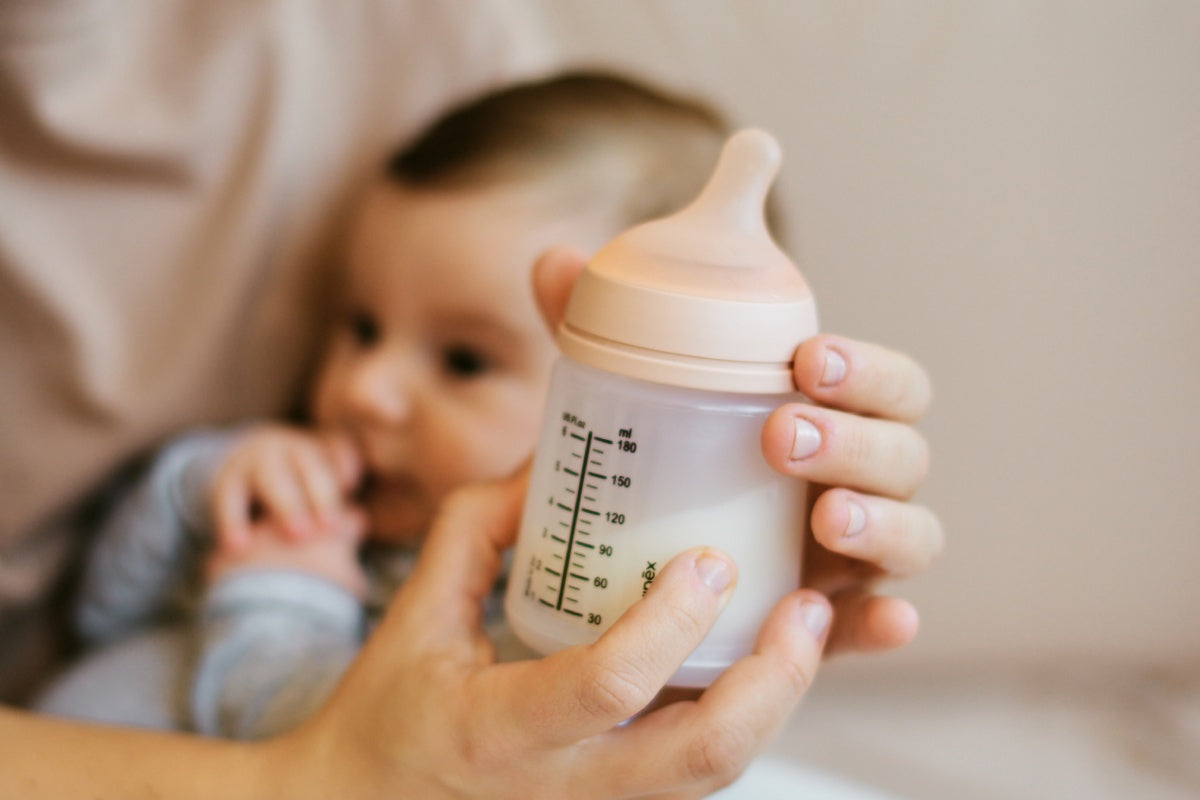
x=380, y=391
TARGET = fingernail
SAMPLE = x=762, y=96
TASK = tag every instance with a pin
x=815, y=617
x=857, y=521
x=715, y=572
x=835, y=368
x=807, y=440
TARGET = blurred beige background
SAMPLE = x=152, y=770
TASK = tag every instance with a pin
x=1010, y=191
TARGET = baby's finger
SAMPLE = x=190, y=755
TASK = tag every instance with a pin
x=231, y=512
x=709, y=742
x=862, y=378
x=835, y=448
x=902, y=539
x=586, y=690
x=351, y=522
x=279, y=487
x=318, y=482
x=346, y=460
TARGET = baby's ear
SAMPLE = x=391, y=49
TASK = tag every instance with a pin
x=554, y=275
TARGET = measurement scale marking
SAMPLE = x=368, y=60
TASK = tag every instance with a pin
x=598, y=475
x=562, y=587
x=580, y=438
x=601, y=439
x=570, y=471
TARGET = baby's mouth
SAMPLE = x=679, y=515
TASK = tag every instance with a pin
x=365, y=488
x=375, y=483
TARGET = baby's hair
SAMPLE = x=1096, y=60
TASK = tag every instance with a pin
x=655, y=147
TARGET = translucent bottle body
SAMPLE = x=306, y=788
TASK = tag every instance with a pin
x=630, y=473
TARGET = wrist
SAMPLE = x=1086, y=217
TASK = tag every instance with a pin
x=313, y=762
x=190, y=467
x=314, y=563
x=287, y=592
x=291, y=768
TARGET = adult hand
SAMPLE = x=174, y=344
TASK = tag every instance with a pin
x=856, y=445
x=425, y=712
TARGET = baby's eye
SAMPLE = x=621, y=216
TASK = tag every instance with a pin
x=464, y=362
x=363, y=328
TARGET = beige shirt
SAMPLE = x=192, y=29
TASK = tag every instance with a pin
x=172, y=177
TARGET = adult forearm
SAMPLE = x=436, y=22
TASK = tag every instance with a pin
x=46, y=757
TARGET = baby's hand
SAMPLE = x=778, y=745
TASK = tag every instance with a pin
x=332, y=555
x=296, y=481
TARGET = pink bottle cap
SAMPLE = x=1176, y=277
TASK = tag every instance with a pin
x=703, y=298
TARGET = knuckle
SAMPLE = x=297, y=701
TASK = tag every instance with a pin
x=481, y=752
x=903, y=390
x=720, y=753
x=921, y=390
x=799, y=676
x=857, y=447
x=609, y=692
x=917, y=462
x=900, y=398
x=684, y=620
x=918, y=534
x=936, y=535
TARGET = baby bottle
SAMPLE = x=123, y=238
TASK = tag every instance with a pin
x=676, y=345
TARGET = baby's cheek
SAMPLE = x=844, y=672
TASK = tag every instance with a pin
x=322, y=400
x=486, y=457
x=513, y=444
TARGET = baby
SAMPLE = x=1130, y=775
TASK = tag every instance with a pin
x=268, y=549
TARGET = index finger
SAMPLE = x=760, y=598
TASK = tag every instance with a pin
x=587, y=689
x=862, y=378
x=461, y=559
x=554, y=276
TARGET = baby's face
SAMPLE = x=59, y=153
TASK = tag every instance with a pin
x=439, y=361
